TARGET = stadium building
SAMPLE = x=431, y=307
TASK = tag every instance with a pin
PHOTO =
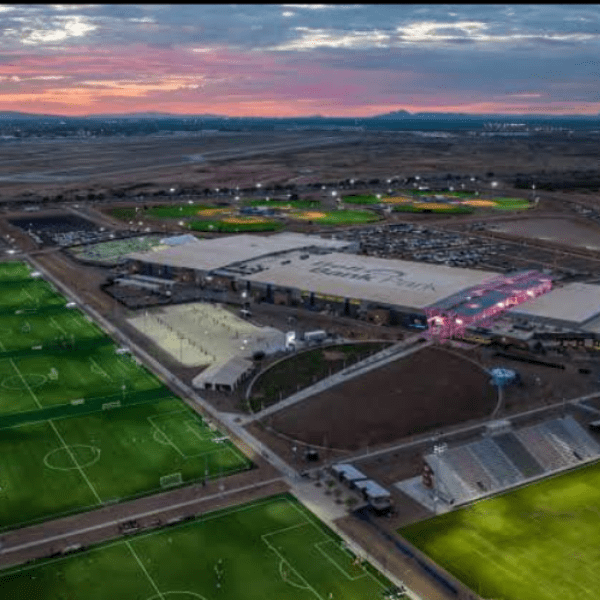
x=311, y=272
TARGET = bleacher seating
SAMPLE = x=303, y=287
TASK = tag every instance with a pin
x=472, y=470
x=472, y=473
x=575, y=436
x=495, y=462
x=544, y=451
x=518, y=454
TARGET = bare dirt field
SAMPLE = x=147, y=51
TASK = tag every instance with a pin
x=562, y=230
x=68, y=167
x=395, y=401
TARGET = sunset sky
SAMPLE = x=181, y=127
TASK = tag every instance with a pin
x=300, y=59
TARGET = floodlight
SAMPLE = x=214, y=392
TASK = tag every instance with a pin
x=172, y=190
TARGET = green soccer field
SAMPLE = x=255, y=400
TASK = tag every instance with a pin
x=35, y=381
x=82, y=425
x=540, y=542
x=45, y=326
x=27, y=294
x=57, y=466
x=14, y=270
x=269, y=549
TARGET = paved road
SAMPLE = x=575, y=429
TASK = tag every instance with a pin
x=320, y=503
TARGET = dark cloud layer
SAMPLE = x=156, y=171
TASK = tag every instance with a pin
x=300, y=59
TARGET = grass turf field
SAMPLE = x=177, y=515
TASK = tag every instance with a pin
x=361, y=199
x=272, y=548
x=56, y=432
x=339, y=217
x=539, y=542
x=283, y=203
x=511, y=204
x=106, y=456
x=241, y=224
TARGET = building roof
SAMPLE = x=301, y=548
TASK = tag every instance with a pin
x=210, y=254
x=378, y=280
x=575, y=302
x=224, y=373
x=350, y=472
x=372, y=489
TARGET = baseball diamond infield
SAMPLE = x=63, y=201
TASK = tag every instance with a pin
x=397, y=400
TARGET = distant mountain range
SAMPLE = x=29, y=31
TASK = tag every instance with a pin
x=394, y=115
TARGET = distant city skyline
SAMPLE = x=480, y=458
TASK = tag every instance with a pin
x=295, y=60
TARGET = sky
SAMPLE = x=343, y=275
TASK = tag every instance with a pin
x=292, y=60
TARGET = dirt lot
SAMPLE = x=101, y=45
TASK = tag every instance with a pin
x=395, y=401
x=69, y=167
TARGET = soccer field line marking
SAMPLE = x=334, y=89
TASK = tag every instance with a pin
x=35, y=398
x=152, y=582
x=99, y=369
x=189, y=425
x=309, y=518
x=318, y=545
x=169, y=440
x=200, y=519
x=308, y=586
x=278, y=531
x=79, y=468
x=57, y=326
x=285, y=579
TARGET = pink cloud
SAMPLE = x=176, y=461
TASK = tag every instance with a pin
x=220, y=80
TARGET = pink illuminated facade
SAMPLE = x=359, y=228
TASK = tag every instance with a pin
x=481, y=304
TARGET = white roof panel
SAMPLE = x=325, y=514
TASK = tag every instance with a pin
x=575, y=302
x=384, y=280
x=210, y=254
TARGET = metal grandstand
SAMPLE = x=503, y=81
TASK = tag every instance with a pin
x=499, y=461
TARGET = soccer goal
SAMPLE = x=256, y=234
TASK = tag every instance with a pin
x=109, y=405
x=171, y=480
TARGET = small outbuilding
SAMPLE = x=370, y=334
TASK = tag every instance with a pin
x=377, y=496
x=224, y=376
x=348, y=474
